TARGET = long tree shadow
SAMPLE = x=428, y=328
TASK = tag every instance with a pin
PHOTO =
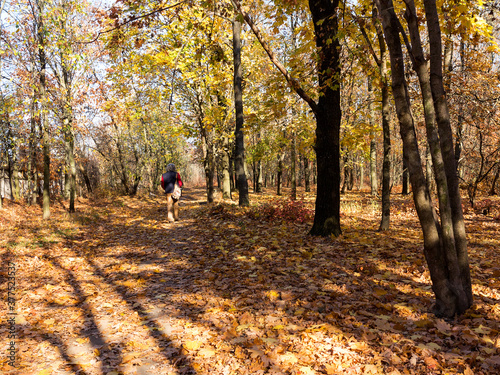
x=284, y=279
x=90, y=328
x=168, y=349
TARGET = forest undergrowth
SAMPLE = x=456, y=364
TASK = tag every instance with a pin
x=115, y=289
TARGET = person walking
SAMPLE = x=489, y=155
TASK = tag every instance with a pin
x=168, y=181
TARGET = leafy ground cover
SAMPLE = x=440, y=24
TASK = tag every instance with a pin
x=116, y=289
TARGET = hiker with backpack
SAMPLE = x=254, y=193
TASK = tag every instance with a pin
x=171, y=183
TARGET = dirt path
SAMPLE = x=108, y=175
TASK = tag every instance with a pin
x=117, y=290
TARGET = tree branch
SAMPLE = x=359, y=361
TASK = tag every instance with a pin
x=292, y=81
x=132, y=20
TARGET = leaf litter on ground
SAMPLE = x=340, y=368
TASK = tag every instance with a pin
x=116, y=289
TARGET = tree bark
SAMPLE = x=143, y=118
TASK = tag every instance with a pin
x=443, y=266
x=495, y=180
x=462, y=279
x=43, y=110
x=385, y=218
x=279, y=179
x=243, y=199
x=226, y=176
x=293, y=166
x=307, y=174
x=69, y=139
x=208, y=159
x=328, y=117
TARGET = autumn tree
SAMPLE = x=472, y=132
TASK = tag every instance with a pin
x=445, y=244
x=327, y=110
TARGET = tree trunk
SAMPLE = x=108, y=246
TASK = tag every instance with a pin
x=495, y=180
x=462, y=280
x=293, y=166
x=460, y=117
x=404, y=188
x=69, y=142
x=208, y=160
x=43, y=110
x=327, y=110
x=279, y=179
x=385, y=218
x=438, y=239
x=328, y=117
x=428, y=170
x=238, y=104
x=32, y=170
x=226, y=176
x=443, y=192
x=361, y=166
x=307, y=175
x=123, y=172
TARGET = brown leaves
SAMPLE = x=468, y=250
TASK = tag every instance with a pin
x=230, y=294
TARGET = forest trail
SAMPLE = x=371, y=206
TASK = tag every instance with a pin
x=116, y=289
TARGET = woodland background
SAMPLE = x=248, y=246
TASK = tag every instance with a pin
x=96, y=99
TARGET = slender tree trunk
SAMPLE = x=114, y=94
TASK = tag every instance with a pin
x=32, y=170
x=70, y=154
x=405, y=190
x=447, y=235
x=307, y=175
x=123, y=172
x=279, y=179
x=231, y=168
x=293, y=166
x=238, y=104
x=386, y=130
x=495, y=180
x=361, y=165
x=461, y=278
x=226, y=162
x=386, y=163
x=258, y=169
x=208, y=160
x=460, y=118
x=43, y=110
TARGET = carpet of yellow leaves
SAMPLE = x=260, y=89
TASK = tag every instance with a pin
x=115, y=289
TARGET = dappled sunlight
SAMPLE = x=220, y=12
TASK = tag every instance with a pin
x=223, y=292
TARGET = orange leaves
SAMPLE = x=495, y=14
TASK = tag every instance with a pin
x=227, y=293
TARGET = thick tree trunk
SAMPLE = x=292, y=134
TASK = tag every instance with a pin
x=328, y=117
x=437, y=239
x=238, y=104
x=327, y=110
